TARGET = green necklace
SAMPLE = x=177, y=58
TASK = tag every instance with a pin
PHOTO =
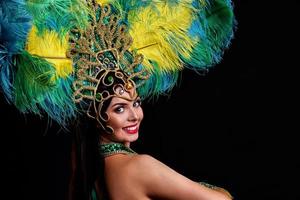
x=114, y=148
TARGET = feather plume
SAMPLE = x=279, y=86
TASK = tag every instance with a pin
x=58, y=15
x=36, y=90
x=50, y=47
x=161, y=35
x=213, y=31
x=176, y=34
x=127, y=6
x=15, y=23
x=171, y=35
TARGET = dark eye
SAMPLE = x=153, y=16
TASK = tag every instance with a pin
x=137, y=103
x=119, y=109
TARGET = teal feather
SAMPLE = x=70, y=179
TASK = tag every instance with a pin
x=15, y=23
x=32, y=81
x=158, y=83
x=214, y=26
x=35, y=86
x=36, y=90
x=123, y=7
x=58, y=15
x=58, y=103
x=220, y=25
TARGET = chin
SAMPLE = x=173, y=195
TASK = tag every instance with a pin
x=131, y=138
x=125, y=137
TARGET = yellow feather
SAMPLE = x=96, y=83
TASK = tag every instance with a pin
x=101, y=2
x=49, y=46
x=160, y=34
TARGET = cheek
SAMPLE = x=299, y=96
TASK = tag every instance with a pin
x=116, y=122
x=141, y=114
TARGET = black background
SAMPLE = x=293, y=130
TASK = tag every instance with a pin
x=232, y=127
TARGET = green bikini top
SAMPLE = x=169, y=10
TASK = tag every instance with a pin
x=114, y=148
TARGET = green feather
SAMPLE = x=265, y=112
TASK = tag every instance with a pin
x=32, y=81
x=58, y=15
x=38, y=91
x=214, y=27
x=220, y=25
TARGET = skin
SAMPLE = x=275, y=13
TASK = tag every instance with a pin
x=125, y=116
x=142, y=177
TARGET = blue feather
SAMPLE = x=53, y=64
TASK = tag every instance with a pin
x=123, y=7
x=58, y=103
x=38, y=90
x=15, y=23
x=58, y=15
x=214, y=27
x=158, y=84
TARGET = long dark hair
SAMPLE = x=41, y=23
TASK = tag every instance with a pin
x=87, y=165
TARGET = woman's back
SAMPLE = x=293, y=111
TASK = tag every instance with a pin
x=142, y=177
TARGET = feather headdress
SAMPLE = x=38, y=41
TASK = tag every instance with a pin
x=46, y=45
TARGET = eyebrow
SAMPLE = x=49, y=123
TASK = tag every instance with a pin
x=119, y=104
x=124, y=104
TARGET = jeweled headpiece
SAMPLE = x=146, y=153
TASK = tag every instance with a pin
x=102, y=61
x=63, y=57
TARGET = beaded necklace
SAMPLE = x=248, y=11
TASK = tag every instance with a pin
x=114, y=148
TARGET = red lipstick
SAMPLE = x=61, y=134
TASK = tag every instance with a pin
x=131, y=129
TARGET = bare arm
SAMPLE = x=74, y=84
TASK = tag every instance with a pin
x=160, y=181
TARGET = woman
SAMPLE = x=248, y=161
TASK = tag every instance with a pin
x=97, y=59
x=128, y=175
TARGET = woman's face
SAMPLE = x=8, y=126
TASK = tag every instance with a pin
x=125, y=115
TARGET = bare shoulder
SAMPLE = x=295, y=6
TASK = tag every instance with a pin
x=137, y=165
x=145, y=177
x=134, y=170
x=145, y=166
x=142, y=161
x=127, y=162
x=126, y=175
x=124, y=166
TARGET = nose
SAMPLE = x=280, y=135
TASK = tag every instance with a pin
x=133, y=116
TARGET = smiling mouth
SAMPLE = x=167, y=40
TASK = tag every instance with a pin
x=131, y=129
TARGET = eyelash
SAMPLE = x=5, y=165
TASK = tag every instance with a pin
x=117, y=110
x=136, y=104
